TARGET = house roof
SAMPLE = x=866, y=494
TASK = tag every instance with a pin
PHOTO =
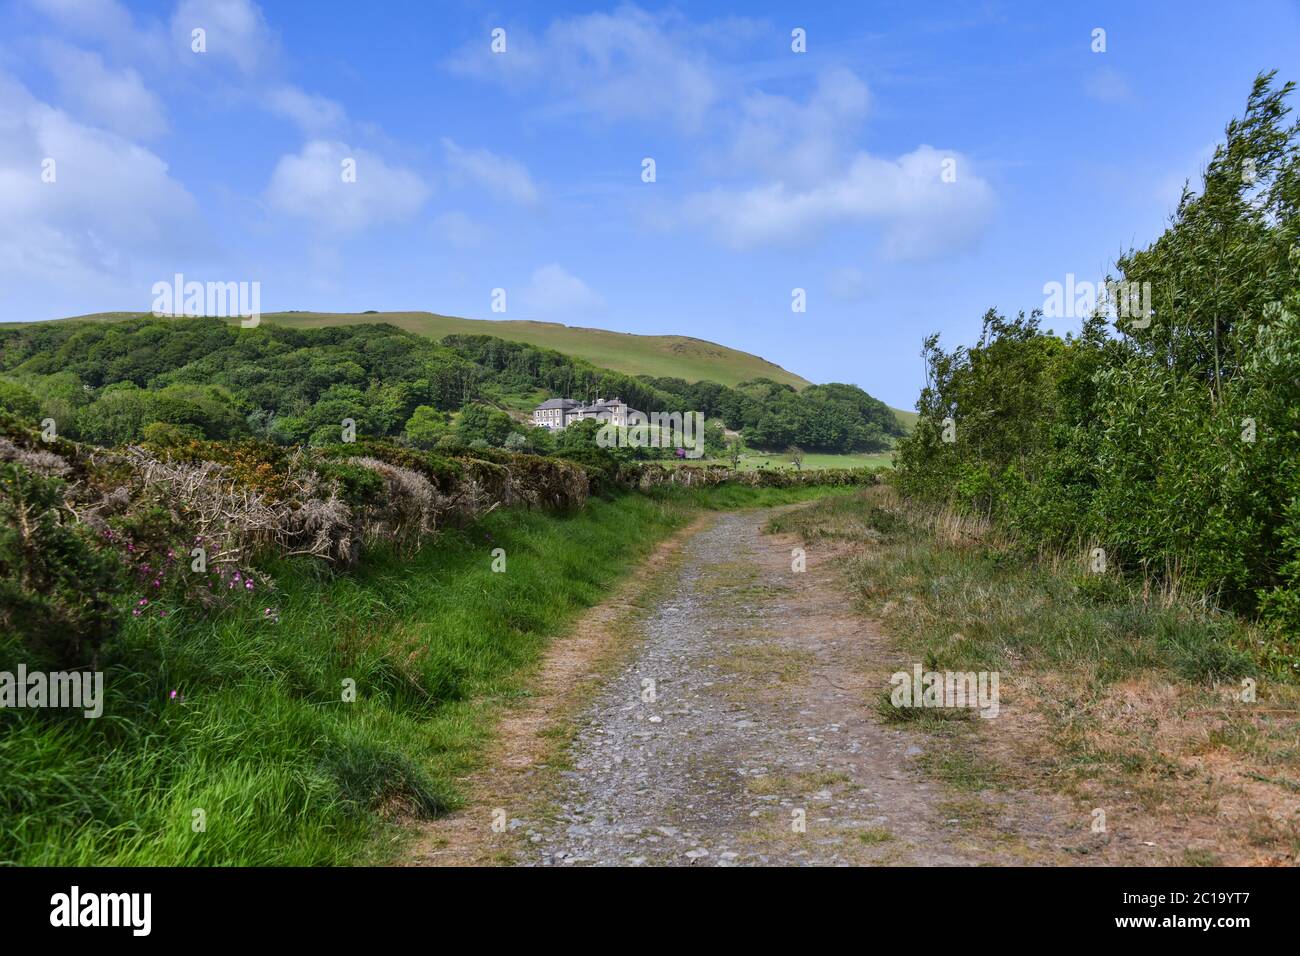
x=607, y=408
x=565, y=403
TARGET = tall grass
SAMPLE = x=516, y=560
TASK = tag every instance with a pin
x=258, y=744
x=959, y=596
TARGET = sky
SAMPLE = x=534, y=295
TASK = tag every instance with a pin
x=912, y=166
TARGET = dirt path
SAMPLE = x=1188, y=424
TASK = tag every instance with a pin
x=734, y=723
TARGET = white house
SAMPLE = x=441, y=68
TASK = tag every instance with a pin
x=557, y=413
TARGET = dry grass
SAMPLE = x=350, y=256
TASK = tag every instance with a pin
x=1116, y=695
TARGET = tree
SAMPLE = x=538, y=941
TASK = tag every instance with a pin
x=425, y=426
x=796, y=457
x=483, y=423
x=15, y=398
x=735, y=451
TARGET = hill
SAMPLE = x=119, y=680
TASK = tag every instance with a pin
x=677, y=356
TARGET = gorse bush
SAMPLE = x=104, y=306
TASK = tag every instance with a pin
x=58, y=590
x=1172, y=441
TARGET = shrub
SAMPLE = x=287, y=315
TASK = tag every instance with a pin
x=58, y=591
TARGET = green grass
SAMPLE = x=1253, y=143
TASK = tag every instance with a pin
x=284, y=771
x=675, y=356
x=989, y=607
x=754, y=460
x=1119, y=693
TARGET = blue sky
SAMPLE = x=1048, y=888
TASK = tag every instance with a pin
x=522, y=170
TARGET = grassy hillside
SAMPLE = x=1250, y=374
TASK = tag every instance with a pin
x=667, y=355
x=677, y=356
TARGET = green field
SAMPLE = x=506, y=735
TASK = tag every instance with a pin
x=671, y=356
x=754, y=460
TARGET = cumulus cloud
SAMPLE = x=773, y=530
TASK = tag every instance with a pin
x=111, y=200
x=800, y=141
x=921, y=214
x=310, y=184
x=107, y=22
x=113, y=98
x=629, y=64
x=236, y=34
x=313, y=113
x=790, y=168
x=552, y=290
x=502, y=177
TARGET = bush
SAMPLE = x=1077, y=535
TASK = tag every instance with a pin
x=59, y=593
x=1171, y=443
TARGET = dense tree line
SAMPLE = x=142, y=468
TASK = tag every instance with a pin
x=1170, y=440
x=104, y=382
x=830, y=418
x=111, y=383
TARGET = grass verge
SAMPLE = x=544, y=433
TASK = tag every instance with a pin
x=231, y=740
x=1181, y=723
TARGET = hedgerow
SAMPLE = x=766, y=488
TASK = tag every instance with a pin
x=1171, y=441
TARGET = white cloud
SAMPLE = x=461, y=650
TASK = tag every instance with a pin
x=109, y=23
x=624, y=65
x=310, y=184
x=922, y=216
x=116, y=99
x=313, y=113
x=552, y=290
x=112, y=201
x=236, y=33
x=502, y=177
x=800, y=169
x=800, y=142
